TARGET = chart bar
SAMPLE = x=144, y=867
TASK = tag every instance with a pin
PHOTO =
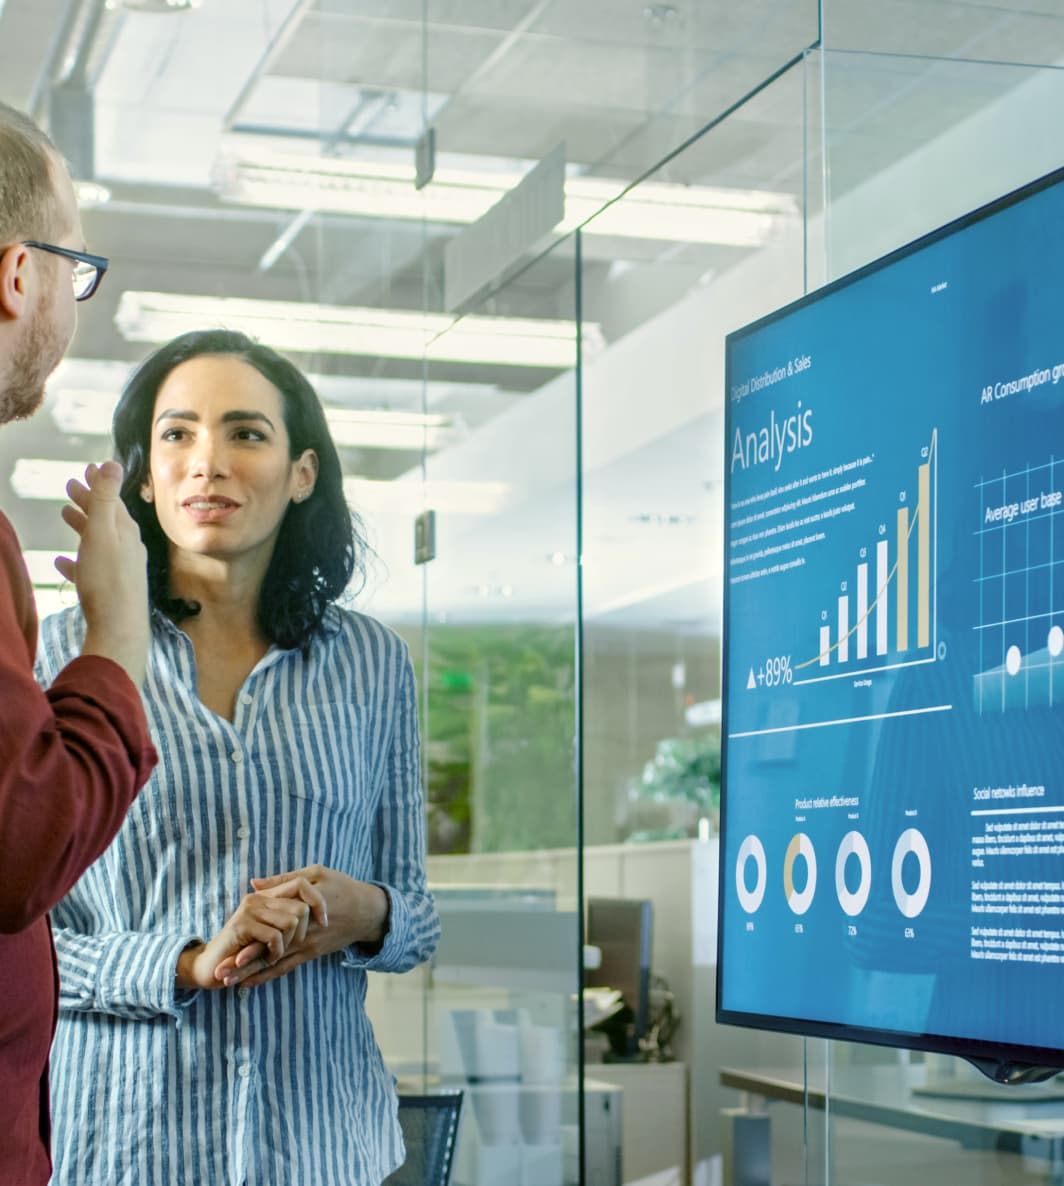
x=923, y=558
x=844, y=629
x=882, y=596
x=862, y=611
x=825, y=645
x=902, y=576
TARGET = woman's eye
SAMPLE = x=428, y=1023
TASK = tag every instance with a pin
x=172, y=434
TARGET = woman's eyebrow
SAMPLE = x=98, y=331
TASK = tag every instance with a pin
x=227, y=417
x=176, y=414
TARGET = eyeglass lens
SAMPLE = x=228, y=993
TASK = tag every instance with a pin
x=85, y=280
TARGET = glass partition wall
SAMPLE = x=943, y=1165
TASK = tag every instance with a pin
x=545, y=525
x=914, y=127
x=926, y=129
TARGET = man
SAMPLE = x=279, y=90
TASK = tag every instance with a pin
x=71, y=759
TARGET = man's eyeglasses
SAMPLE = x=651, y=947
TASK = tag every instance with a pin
x=88, y=269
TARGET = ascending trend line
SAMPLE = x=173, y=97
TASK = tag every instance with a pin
x=818, y=658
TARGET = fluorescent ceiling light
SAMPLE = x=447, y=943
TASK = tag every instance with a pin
x=45, y=479
x=90, y=194
x=39, y=477
x=385, y=189
x=373, y=429
x=40, y=564
x=51, y=601
x=338, y=329
x=86, y=412
x=82, y=411
x=412, y=497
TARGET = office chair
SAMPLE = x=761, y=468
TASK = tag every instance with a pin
x=430, y=1127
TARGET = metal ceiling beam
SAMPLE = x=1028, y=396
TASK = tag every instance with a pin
x=281, y=39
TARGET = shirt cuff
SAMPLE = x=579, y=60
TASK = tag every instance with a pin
x=388, y=956
x=140, y=981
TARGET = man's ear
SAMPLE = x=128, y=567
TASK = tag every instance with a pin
x=14, y=266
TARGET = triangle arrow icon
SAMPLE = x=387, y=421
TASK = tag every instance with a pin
x=751, y=682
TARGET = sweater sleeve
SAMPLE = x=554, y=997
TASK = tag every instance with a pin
x=399, y=841
x=71, y=759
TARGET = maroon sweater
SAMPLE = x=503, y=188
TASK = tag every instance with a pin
x=71, y=762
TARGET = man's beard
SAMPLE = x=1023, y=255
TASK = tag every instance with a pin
x=34, y=359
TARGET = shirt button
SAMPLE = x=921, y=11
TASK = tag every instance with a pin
x=243, y=833
x=237, y=756
x=245, y=698
x=242, y=992
x=244, y=1070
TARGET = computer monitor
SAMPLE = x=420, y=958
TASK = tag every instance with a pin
x=622, y=929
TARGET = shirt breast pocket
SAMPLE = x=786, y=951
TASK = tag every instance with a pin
x=329, y=754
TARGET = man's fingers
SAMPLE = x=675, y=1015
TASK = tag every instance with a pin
x=78, y=494
x=105, y=480
x=67, y=568
x=75, y=518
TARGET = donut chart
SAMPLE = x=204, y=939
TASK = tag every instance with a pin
x=800, y=846
x=853, y=845
x=751, y=849
x=911, y=841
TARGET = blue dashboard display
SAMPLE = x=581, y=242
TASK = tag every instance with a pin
x=892, y=862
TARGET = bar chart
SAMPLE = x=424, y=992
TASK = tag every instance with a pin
x=884, y=612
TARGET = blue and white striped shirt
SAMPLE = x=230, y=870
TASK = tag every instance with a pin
x=280, y=1085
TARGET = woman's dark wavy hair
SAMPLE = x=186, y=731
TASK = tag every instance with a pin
x=319, y=547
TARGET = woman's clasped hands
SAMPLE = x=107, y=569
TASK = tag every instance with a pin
x=271, y=921
x=284, y=922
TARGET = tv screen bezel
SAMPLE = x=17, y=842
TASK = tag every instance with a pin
x=1006, y=1063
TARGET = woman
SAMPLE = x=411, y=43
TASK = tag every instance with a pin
x=207, y=1034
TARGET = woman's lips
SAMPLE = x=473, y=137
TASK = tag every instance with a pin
x=209, y=510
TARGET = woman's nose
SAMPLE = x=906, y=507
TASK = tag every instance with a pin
x=210, y=459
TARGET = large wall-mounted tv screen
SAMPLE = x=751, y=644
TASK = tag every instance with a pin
x=893, y=710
